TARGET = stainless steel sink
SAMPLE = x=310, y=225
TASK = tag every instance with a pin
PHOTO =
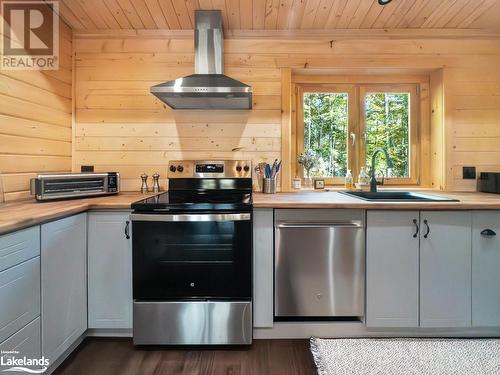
x=397, y=196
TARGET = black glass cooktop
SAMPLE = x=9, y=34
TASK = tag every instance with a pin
x=200, y=194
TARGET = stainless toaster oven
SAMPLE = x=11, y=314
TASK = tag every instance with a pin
x=74, y=185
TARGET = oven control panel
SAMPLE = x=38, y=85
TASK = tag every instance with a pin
x=209, y=169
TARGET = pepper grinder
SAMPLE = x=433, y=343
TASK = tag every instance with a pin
x=156, y=182
x=144, y=186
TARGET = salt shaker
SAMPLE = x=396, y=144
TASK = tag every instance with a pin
x=144, y=186
x=156, y=182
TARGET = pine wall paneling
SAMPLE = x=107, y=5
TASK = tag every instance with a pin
x=35, y=122
x=437, y=129
x=472, y=107
x=120, y=126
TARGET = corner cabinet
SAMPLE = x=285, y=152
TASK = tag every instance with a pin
x=110, y=270
x=418, y=269
x=63, y=284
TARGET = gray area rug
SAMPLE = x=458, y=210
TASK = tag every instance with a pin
x=406, y=356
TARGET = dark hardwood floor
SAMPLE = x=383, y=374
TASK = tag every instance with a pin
x=99, y=356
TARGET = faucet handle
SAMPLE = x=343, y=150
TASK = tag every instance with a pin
x=380, y=179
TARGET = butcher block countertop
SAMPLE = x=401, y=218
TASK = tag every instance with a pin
x=23, y=214
x=333, y=199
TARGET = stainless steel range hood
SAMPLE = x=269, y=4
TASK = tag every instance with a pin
x=208, y=88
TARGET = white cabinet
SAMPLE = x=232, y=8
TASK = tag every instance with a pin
x=109, y=270
x=19, y=246
x=19, y=296
x=64, y=283
x=445, y=269
x=392, y=269
x=418, y=269
x=486, y=268
x=26, y=341
x=263, y=269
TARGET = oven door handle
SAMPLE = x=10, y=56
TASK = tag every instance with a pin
x=191, y=217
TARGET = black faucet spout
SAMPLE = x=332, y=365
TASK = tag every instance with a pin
x=373, y=180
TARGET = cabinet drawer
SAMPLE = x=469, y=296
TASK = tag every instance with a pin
x=27, y=342
x=19, y=246
x=19, y=296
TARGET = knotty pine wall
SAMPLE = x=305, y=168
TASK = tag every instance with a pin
x=472, y=118
x=35, y=122
x=120, y=126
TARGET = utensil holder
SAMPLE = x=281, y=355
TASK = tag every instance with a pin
x=269, y=186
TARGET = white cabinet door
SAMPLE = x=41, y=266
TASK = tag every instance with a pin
x=26, y=342
x=263, y=269
x=486, y=268
x=110, y=270
x=64, y=283
x=19, y=246
x=19, y=296
x=392, y=247
x=445, y=269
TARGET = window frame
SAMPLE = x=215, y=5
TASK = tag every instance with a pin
x=356, y=124
x=351, y=120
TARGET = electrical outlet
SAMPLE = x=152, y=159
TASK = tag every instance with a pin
x=469, y=173
x=87, y=168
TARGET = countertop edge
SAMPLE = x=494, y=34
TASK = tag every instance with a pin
x=10, y=227
x=24, y=214
x=384, y=206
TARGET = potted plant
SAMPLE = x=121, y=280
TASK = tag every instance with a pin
x=308, y=160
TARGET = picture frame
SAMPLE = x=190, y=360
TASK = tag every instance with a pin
x=319, y=184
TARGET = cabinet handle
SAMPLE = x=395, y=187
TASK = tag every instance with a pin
x=416, y=228
x=127, y=233
x=428, y=228
x=488, y=233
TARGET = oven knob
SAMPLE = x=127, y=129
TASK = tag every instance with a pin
x=191, y=285
x=246, y=168
x=180, y=168
x=238, y=168
x=173, y=168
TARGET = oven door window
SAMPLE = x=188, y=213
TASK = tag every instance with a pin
x=189, y=259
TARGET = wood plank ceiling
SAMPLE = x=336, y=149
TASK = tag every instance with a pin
x=283, y=14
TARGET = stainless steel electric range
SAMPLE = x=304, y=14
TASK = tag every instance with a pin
x=192, y=257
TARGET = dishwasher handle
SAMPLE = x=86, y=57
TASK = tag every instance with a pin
x=352, y=224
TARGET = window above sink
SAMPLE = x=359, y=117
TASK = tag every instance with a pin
x=343, y=124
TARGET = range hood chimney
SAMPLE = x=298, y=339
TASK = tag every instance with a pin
x=208, y=88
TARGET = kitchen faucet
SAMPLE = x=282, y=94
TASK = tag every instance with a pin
x=373, y=180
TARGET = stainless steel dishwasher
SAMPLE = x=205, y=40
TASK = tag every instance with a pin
x=319, y=264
